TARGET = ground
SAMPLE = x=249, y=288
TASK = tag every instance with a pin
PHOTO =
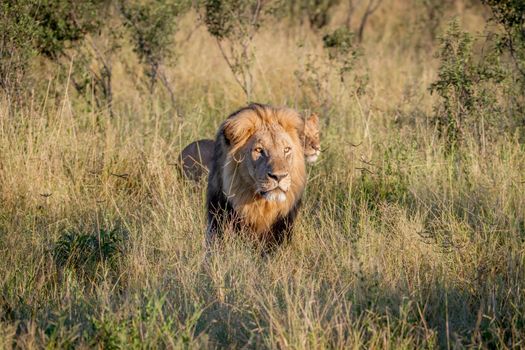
x=399, y=244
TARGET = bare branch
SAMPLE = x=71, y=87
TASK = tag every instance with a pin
x=372, y=6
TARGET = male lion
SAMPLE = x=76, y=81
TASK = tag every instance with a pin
x=196, y=158
x=257, y=176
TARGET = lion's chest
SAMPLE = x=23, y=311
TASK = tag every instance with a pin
x=260, y=215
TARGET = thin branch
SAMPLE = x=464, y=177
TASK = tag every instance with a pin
x=122, y=176
x=370, y=9
x=229, y=63
x=165, y=82
x=365, y=170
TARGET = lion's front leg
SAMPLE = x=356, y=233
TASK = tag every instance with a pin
x=211, y=233
x=210, y=240
x=217, y=208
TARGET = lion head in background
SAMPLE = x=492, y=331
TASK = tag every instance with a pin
x=311, y=138
x=258, y=171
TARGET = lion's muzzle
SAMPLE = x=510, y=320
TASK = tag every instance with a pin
x=275, y=186
x=311, y=156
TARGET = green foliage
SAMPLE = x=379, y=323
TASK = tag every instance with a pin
x=342, y=49
x=234, y=23
x=52, y=25
x=45, y=27
x=463, y=84
x=511, y=15
x=220, y=16
x=111, y=334
x=152, y=25
x=163, y=327
x=84, y=252
x=482, y=93
x=17, y=43
x=236, y=19
x=63, y=22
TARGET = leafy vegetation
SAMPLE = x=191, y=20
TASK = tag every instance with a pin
x=467, y=88
x=152, y=26
x=412, y=229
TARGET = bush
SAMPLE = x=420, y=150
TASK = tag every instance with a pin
x=17, y=46
x=510, y=43
x=342, y=49
x=467, y=88
x=46, y=27
x=152, y=25
x=84, y=252
x=234, y=24
x=510, y=14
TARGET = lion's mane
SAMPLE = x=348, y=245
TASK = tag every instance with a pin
x=230, y=195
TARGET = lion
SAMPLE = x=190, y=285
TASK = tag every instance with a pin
x=196, y=158
x=311, y=139
x=257, y=176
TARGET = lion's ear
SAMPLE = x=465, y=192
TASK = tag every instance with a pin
x=313, y=120
x=237, y=129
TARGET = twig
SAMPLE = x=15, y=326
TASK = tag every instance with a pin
x=363, y=160
x=230, y=65
x=122, y=176
x=371, y=8
x=365, y=170
x=354, y=145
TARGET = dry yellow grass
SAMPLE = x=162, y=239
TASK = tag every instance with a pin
x=418, y=251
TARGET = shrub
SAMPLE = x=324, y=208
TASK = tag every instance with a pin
x=152, y=25
x=234, y=24
x=84, y=252
x=46, y=27
x=510, y=14
x=466, y=87
x=510, y=43
x=342, y=50
x=17, y=46
x=61, y=23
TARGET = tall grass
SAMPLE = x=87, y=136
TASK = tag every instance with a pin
x=399, y=244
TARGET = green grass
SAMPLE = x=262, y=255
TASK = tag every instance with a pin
x=399, y=244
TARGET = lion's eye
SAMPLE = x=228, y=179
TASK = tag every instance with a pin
x=287, y=150
x=258, y=150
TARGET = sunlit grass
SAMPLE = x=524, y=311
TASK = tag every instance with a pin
x=398, y=244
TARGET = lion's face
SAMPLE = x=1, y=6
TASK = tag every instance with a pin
x=266, y=157
x=269, y=156
x=312, y=141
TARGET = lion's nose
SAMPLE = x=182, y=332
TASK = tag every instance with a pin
x=277, y=176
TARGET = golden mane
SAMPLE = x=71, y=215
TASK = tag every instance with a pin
x=229, y=178
x=241, y=125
